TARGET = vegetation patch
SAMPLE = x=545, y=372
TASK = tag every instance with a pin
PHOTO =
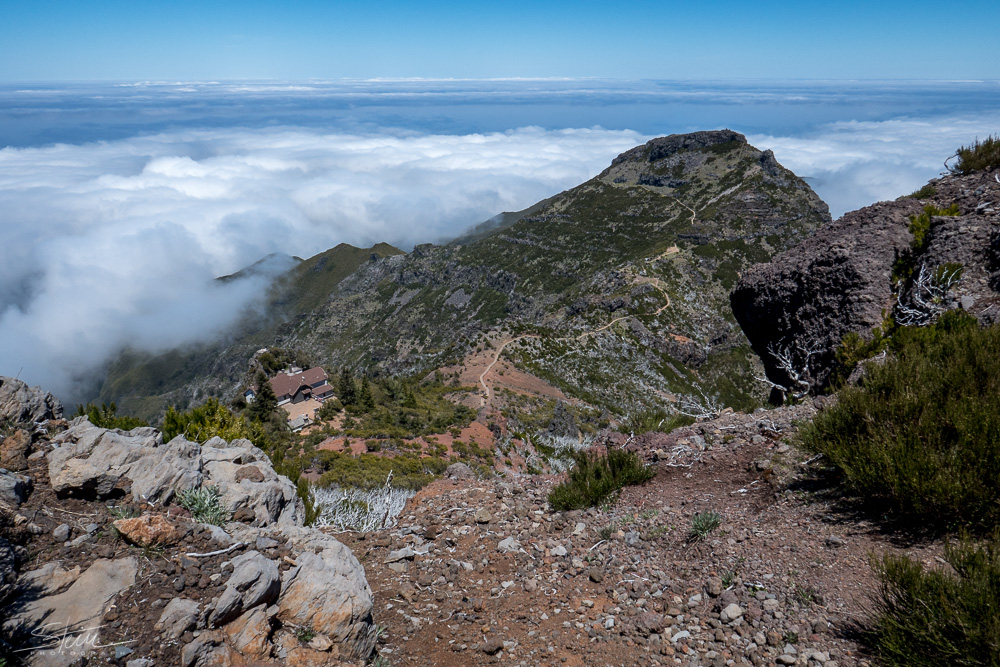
x=921, y=437
x=204, y=505
x=106, y=416
x=596, y=476
x=981, y=155
x=702, y=525
x=926, y=618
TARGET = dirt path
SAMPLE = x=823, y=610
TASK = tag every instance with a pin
x=655, y=282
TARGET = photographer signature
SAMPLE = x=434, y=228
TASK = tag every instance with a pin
x=68, y=640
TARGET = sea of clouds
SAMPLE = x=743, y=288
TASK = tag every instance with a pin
x=116, y=242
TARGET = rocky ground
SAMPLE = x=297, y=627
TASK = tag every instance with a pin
x=476, y=571
x=102, y=565
x=483, y=572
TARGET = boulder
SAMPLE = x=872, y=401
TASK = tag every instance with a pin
x=840, y=279
x=14, y=451
x=179, y=616
x=209, y=649
x=328, y=594
x=255, y=581
x=149, y=530
x=14, y=488
x=75, y=611
x=249, y=634
x=271, y=498
x=459, y=471
x=22, y=404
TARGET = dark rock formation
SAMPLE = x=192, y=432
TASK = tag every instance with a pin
x=841, y=279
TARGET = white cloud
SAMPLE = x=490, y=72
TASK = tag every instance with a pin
x=116, y=243
x=852, y=164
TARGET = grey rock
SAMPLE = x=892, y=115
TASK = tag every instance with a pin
x=80, y=605
x=328, y=594
x=558, y=550
x=731, y=613
x=20, y=403
x=179, y=616
x=255, y=580
x=406, y=553
x=632, y=538
x=139, y=662
x=208, y=648
x=14, y=488
x=459, y=471
x=266, y=543
x=508, y=544
x=273, y=500
x=62, y=532
x=482, y=515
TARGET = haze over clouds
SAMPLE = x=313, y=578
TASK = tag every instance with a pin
x=117, y=243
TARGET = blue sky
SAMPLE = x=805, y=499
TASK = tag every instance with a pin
x=69, y=40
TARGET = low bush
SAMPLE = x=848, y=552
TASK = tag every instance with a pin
x=204, y=504
x=106, y=416
x=702, y=525
x=596, y=476
x=981, y=155
x=925, y=192
x=920, y=438
x=927, y=618
x=369, y=471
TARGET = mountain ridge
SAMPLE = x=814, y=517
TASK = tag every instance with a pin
x=685, y=212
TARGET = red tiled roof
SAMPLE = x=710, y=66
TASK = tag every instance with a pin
x=288, y=385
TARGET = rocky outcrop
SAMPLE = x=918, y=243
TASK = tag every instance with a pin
x=88, y=461
x=234, y=595
x=20, y=403
x=804, y=301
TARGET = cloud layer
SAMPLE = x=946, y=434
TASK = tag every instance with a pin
x=852, y=164
x=117, y=243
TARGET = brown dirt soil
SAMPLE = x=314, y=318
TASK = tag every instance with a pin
x=788, y=551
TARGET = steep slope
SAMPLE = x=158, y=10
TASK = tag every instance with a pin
x=615, y=290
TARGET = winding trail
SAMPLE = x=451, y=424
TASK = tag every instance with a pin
x=655, y=282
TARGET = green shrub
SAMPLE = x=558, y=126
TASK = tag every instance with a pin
x=368, y=471
x=920, y=437
x=920, y=225
x=702, y=524
x=106, y=416
x=925, y=192
x=981, y=155
x=927, y=618
x=597, y=476
x=204, y=505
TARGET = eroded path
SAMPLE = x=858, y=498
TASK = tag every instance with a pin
x=655, y=282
